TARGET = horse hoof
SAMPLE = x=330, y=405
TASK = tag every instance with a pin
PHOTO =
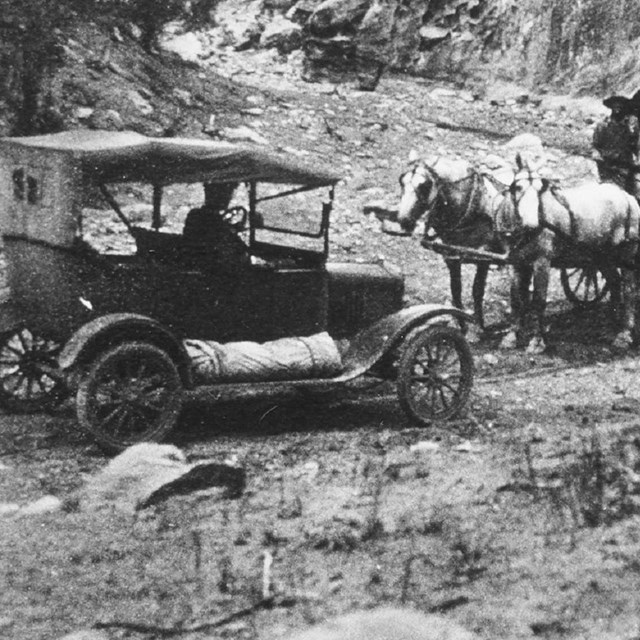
x=536, y=346
x=623, y=341
x=510, y=341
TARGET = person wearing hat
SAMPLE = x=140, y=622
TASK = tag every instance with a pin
x=616, y=143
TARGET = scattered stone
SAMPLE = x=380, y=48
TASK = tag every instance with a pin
x=183, y=96
x=84, y=113
x=118, y=70
x=187, y=45
x=424, y=446
x=8, y=509
x=6, y=622
x=431, y=34
x=140, y=102
x=327, y=89
x=108, y=119
x=87, y=634
x=467, y=447
x=626, y=405
x=242, y=134
x=490, y=359
x=46, y=504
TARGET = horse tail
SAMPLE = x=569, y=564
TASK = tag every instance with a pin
x=632, y=223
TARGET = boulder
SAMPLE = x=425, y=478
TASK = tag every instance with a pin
x=334, y=16
x=386, y=624
x=108, y=119
x=281, y=34
x=148, y=473
x=186, y=45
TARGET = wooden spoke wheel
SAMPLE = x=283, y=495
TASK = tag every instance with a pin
x=28, y=363
x=584, y=287
x=435, y=375
x=131, y=393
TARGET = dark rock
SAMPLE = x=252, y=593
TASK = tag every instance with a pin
x=332, y=17
x=282, y=34
x=108, y=119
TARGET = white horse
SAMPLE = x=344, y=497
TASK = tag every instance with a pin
x=595, y=223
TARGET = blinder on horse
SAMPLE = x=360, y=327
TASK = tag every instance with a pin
x=433, y=197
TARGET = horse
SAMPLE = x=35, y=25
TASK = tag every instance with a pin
x=594, y=223
x=459, y=202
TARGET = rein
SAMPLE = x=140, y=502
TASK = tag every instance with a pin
x=465, y=221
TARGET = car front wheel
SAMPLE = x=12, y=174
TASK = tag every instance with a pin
x=28, y=365
x=130, y=393
x=435, y=374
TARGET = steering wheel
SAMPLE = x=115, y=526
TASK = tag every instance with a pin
x=236, y=217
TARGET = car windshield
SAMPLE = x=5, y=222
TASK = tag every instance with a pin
x=107, y=217
x=286, y=215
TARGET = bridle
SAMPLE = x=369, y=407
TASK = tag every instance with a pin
x=543, y=222
x=440, y=202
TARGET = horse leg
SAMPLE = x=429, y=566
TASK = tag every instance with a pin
x=479, y=286
x=624, y=339
x=614, y=281
x=541, y=270
x=519, y=294
x=475, y=332
x=455, y=279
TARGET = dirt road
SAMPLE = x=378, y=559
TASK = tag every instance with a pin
x=520, y=520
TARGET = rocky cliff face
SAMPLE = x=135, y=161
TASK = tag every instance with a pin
x=587, y=46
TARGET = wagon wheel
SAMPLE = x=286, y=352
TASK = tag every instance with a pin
x=130, y=393
x=584, y=287
x=28, y=363
x=435, y=374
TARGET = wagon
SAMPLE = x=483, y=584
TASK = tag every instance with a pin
x=111, y=317
x=583, y=284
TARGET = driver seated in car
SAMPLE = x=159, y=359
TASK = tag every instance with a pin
x=210, y=241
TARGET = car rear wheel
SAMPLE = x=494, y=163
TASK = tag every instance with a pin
x=435, y=374
x=27, y=372
x=130, y=393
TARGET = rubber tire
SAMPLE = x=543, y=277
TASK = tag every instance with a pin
x=49, y=398
x=136, y=353
x=411, y=351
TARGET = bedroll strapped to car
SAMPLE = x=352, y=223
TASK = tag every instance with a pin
x=315, y=356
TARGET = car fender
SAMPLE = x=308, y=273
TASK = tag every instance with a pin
x=108, y=330
x=371, y=344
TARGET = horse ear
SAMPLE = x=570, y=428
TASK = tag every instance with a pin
x=413, y=156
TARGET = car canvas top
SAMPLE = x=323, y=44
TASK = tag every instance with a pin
x=106, y=156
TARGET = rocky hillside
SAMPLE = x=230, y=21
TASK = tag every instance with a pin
x=576, y=47
x=201, y=78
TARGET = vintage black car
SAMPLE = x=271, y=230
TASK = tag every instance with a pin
x=113, y=326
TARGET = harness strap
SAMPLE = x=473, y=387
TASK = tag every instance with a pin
x=556, y=192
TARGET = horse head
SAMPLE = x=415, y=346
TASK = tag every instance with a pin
x=419, y=190
x=525, y=191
